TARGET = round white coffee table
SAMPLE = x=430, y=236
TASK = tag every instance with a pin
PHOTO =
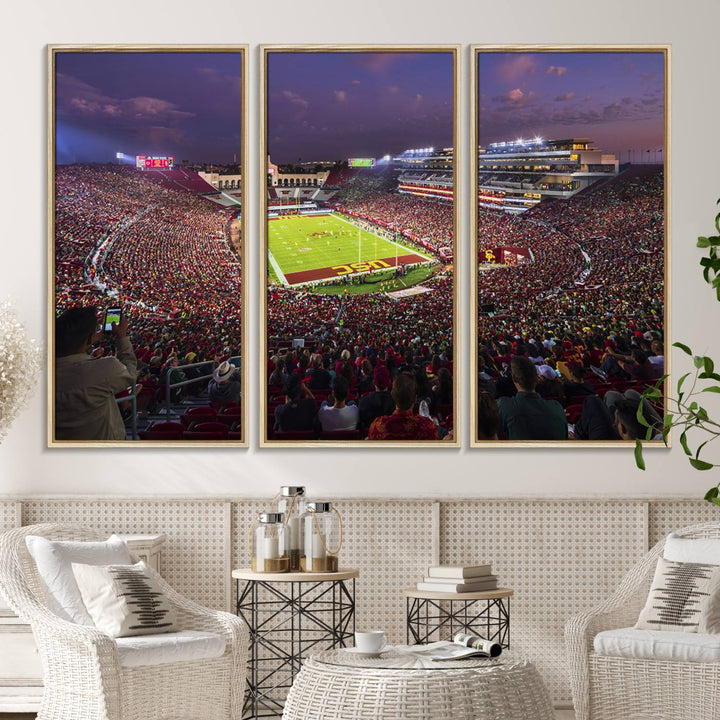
x=341, y=685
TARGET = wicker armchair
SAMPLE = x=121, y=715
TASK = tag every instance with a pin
x=614, y=688
x=81, y=670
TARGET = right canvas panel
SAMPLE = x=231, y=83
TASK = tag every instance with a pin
x=570, y=199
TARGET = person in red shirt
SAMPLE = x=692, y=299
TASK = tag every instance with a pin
x=402, y=424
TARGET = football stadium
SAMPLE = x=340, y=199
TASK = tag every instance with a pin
x=360, y=287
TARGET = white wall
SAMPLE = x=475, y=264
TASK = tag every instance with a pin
x=27, y=467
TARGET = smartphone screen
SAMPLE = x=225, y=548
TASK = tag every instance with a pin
x=112, y=315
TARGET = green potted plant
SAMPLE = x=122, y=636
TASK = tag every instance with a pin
x=685, y=411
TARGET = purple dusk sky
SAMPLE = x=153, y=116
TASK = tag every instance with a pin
x=335, y=105
x=184, y=104
x=615, y=99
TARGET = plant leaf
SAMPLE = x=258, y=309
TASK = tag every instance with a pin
x=639, y=415
x=712, y=388
x=684, y=443
x=698, y=361
x=703, y=242
x=639, y=461
x=708, y=364
x=683, y=347
x=712, y=493
x=701, y=464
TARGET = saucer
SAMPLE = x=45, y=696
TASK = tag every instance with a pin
x=360, y=653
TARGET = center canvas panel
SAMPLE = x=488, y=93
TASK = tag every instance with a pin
x=358, y=200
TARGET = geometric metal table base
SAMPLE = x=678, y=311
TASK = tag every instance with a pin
x=288, y=618
x=430, y=619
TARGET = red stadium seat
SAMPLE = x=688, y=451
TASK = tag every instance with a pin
x=170, y=435
x=294, y=435
x=198, y=414
x=167, y=427
x=340, y=435
x=230, y=414
x=214, y=427
x=193, y=435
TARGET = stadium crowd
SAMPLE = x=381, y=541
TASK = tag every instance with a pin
x=362, y=338
x=587, y=310
x=404, y=214
x=125, y=238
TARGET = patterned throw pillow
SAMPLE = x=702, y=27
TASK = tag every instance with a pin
x=684, y=597
x=124, y=600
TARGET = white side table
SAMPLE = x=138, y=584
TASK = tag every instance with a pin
x=21, y=685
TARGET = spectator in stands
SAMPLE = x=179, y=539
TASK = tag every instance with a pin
x=527, y=416
x=379, y=402
x=600, y=419
x=657, y=358
x=300, y=408
x=338, y=415
x=278, y=376
x=85, y=388
x=226, y=384
x=488, y=417
x=318, y=376
x=442, y=390
x=402, y=424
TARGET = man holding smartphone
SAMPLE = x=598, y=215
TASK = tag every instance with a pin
x=85, y=388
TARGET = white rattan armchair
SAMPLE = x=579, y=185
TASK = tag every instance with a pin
x=614, y=688
x=81, y=671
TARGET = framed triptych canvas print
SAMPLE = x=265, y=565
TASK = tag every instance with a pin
x=359, y=219
x=569, y=206
x=147, y=245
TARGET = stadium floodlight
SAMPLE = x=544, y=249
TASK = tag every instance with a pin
x=118, y=156
x=538, y=140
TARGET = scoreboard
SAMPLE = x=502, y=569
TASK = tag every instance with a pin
x=361, y=162
x=154, y=162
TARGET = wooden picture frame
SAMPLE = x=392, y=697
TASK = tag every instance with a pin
x=147, y=211
x=531, y=165
x=353, y=88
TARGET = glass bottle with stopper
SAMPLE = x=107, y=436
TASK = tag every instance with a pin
x=323, y=537
x=269, y=547
x=291, y=502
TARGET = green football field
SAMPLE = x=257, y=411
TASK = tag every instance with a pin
x=314, y=248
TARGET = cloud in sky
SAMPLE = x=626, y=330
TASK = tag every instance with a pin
x=175, y=103
x=614, y=98
x=557, y=71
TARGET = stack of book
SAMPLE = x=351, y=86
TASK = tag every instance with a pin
x=458, y=579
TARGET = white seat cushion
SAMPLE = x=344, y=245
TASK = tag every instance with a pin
x=658, y=645
x=169, y=648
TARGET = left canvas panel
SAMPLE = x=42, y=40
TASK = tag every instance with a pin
x=146, y=256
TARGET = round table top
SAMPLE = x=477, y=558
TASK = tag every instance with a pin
x=402, y=657
x=482, y=595
x=342, y=574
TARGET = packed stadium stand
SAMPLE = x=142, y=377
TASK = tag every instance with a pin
x=144, y=241
x=592, y=292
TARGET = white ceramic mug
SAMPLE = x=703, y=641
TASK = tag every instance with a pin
x=373, y=641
